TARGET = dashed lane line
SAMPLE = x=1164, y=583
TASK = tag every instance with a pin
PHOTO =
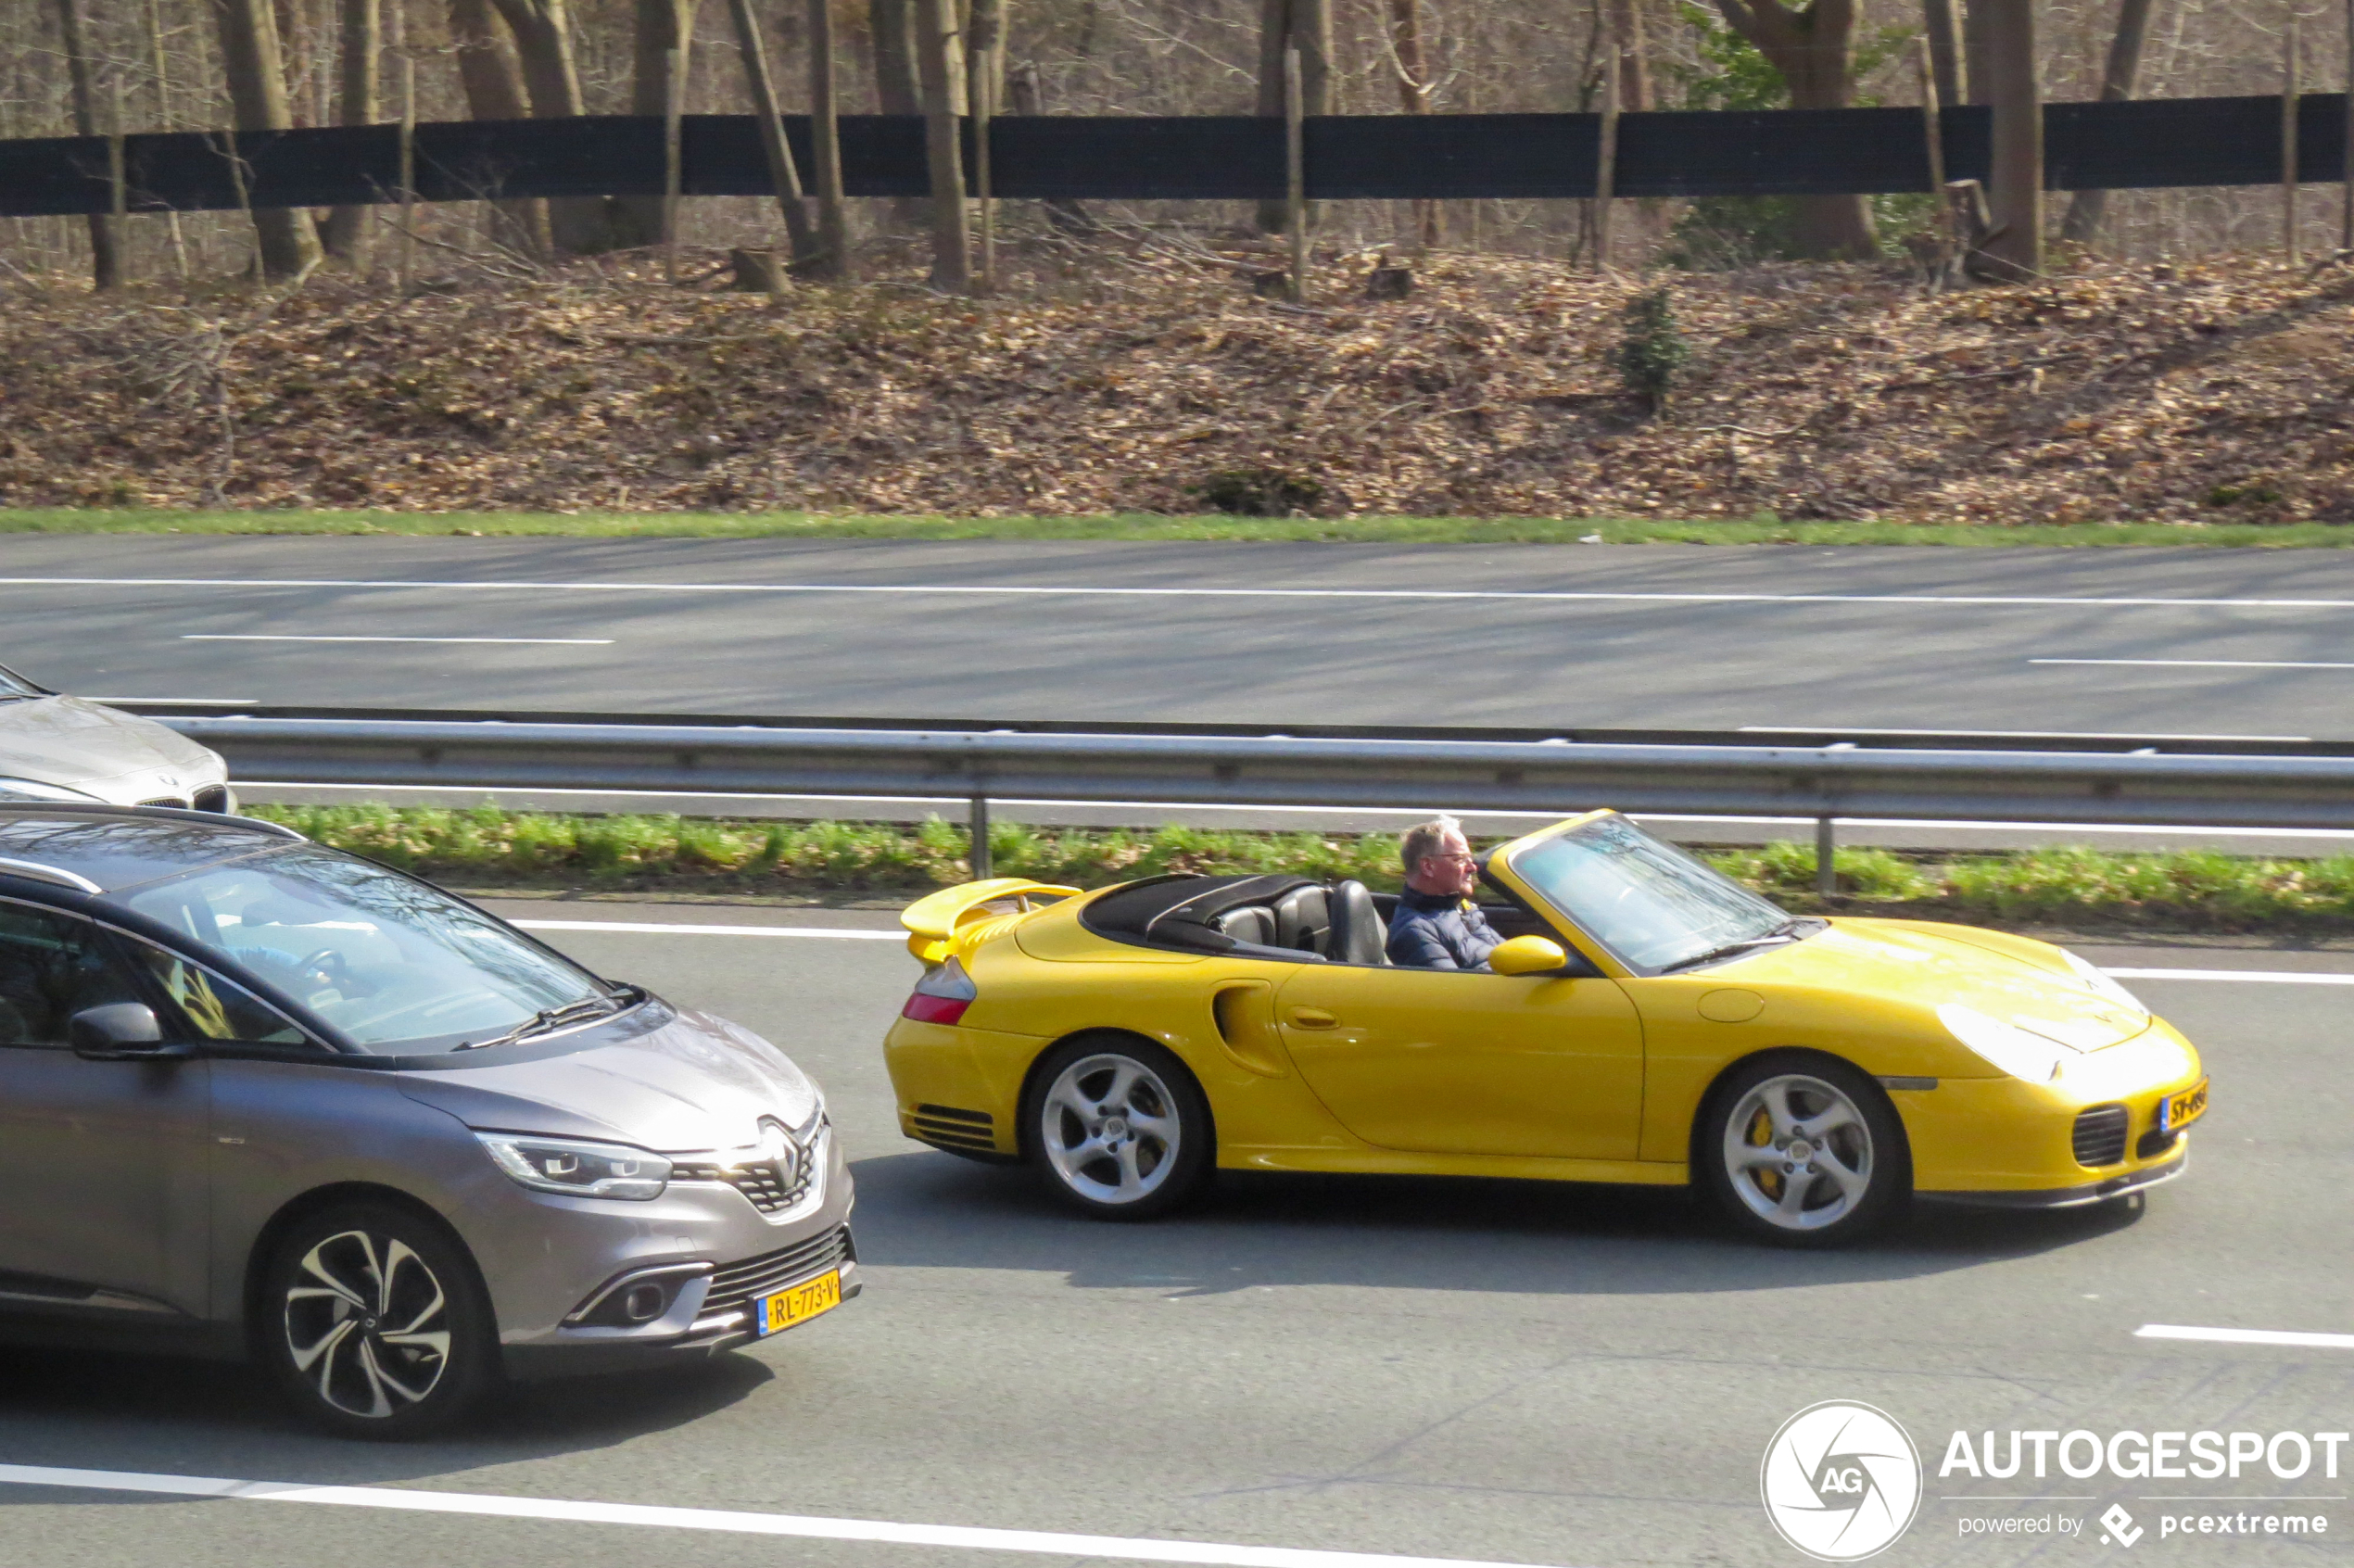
x=884, y=1532
x=633, y=927
x=2247, y=1336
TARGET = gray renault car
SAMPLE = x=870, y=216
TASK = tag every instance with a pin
x=261, y=1097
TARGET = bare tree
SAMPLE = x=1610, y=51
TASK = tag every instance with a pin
x=665, y=32
x=782, y=173
x=939, y=45
x=106, y=249
x=2016, y=193
x=542, y=32
x=1812, y=47
x=492, y=81
x=1636, y=95
x=1305, y=25
x=1949, y=66
x=1411, y=64
x=360, y=42
x=256, y=71
x=2085, y=213
x=893, y=25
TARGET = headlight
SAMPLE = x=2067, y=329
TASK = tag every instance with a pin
x=565, y=1165
x=31, y=789
x=2100, y=984
x=2013, y=1050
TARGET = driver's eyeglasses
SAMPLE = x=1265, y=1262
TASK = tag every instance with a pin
x=1454, y=859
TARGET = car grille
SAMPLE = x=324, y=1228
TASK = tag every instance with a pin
x=762, y=1181
x=173, y=801
x=212, y=797
x=952, y=1129
x=741, y=1283
x=2100, y=1136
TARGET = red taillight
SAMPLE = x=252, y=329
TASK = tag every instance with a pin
x=942, y=996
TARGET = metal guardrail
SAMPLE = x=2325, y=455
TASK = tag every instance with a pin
x=1823, y=782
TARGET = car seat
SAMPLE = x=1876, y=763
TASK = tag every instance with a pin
x=1358, y=934
x=1302, y=920
x=1252, y=923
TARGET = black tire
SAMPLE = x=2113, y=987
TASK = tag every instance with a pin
x=1753, y=1155
x=375, y=1324
x=1137, y=1106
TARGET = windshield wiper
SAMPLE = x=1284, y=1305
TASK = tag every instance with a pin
x=1787, y=931
x=547, y=1019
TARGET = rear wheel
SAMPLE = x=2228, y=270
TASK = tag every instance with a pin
x=1118, y=1126
x=1803, y=1150
x=374, y=1324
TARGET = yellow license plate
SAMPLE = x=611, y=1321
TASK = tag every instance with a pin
x=797, y=1304
x=2178, y=1111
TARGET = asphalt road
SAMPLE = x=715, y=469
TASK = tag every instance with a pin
x=1464, y=1370
x=2182, y=642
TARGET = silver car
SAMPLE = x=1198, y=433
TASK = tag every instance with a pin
x=260, y=1097
x=58, y=748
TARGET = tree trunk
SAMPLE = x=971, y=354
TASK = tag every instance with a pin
x=1413, y=97
x=361, y=41
x=1636, y=95
x=782, y=173
x=256, y=71
x=664, y=28
x=2085, y=212
x=937, y=43
x=1942, y=21
x=893, y=23
x=2016, y=192
x=1305, y=25
x=825, y=147
x=1977, y=73
x=1813, y=50
x=542, y=32
x=106, y=246
x=494, y=89
x=1069, y=217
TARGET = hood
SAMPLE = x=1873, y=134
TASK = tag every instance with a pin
x=696, y=1082
x=1908, y=965
x=67, y=740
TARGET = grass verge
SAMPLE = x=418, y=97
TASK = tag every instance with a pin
x=487, y=848
x=1158, y=528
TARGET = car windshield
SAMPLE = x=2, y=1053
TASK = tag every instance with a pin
x=397, y=967
x=1648, y=902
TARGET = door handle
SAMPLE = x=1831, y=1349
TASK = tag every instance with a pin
x=1312, y=1017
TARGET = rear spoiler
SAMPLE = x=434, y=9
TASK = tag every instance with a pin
x=935, y=921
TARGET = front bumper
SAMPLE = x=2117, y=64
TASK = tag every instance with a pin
x=2077, y=1196
x=715, y=1253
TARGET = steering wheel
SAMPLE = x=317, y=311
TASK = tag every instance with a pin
x=327, y=966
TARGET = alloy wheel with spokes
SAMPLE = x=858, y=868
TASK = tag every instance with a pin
x=1119, y=1128
x=1806, y=1153
x=376, y=1323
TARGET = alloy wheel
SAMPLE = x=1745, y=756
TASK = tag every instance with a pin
x=1798, y=1153
x=367, y=1324
x=1110, y=1129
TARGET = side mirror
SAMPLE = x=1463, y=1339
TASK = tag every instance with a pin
x=1528, y=956
x=121, y=1031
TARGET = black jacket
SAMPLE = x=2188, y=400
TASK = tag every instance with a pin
x=1434, y=931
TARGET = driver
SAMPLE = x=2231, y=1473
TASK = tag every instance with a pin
x=1437, y=926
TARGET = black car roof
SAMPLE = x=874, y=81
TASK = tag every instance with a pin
x=124, y=847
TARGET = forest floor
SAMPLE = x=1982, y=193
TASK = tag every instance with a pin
x=1138, y=386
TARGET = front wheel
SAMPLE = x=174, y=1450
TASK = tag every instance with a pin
x=1117, y=1128
x=375, y=1324
x=1803, y=1151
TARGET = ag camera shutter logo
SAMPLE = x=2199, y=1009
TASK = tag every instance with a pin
x=1840, y=1481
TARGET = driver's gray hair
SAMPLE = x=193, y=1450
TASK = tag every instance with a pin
x=1423, y=839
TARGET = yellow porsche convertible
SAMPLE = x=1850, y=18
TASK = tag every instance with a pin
x=1646, y=1020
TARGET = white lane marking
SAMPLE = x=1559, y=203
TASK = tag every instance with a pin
x=2261, y=977
x=805, y=1527
x=2247, y=1336
x=2205, y=664
x=190, y=701
x=238, y=636
x=1084, y=591
x=2002, y=734
x=637, y=929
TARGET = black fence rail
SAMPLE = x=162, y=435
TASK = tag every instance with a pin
x=2165, y=142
